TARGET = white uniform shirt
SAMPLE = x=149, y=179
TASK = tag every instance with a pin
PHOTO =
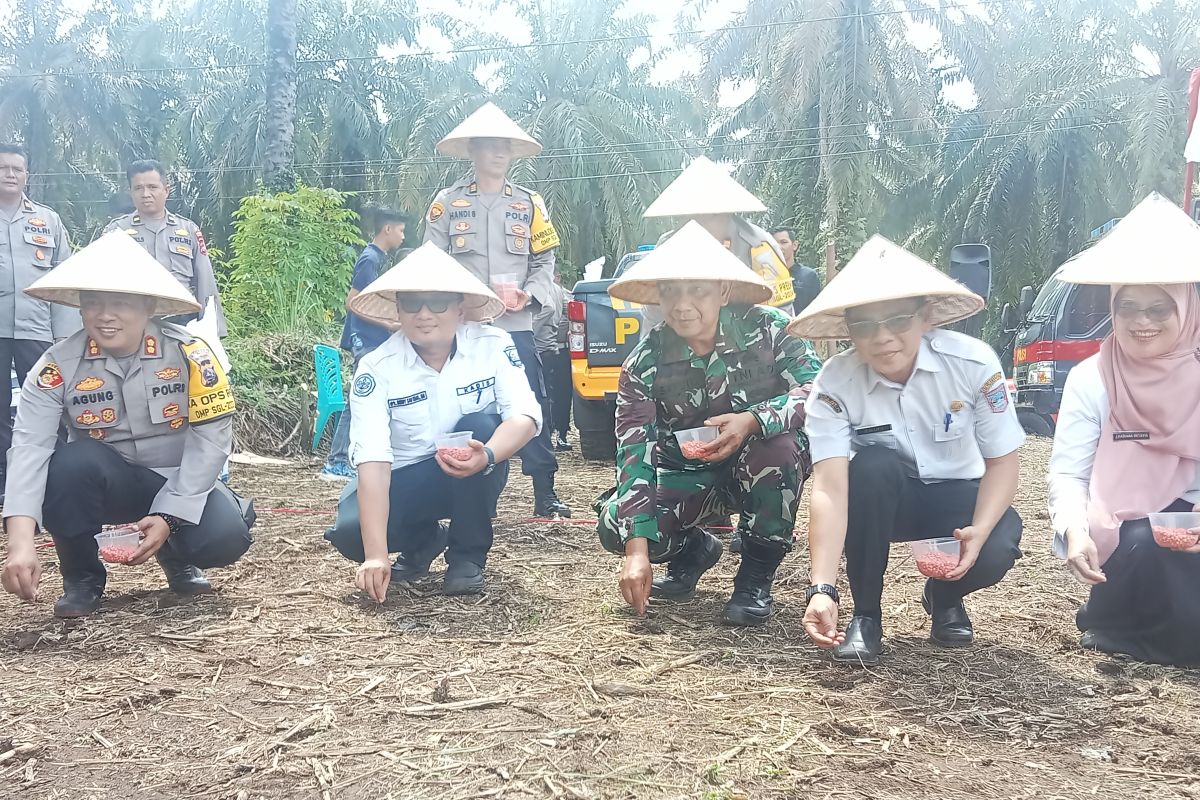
x=952, y=414
x=1081, y=415
x=399, y=405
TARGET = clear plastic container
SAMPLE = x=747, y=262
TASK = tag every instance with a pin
x=1175, y=531
x=455, y=445
x=504, y=284
x=936, y=558
x=694, y=442
x=118, y=545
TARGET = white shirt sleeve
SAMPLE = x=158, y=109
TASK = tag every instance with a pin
x=370, y=418
x=1075, y=440
x=513, y=395
x=827, y=423
x=998, y=432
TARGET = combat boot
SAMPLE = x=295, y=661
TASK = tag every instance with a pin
x=751, y=603
x=414, y=564
x=182, y=578
x=83, y=577
x=700, y=553
x=545, y=500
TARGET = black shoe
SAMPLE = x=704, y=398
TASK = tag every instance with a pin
x=183, y=579
x=561, y=444
x=735, y=542
x=83, y=577
x=412, y=566
x=545, y=501
x=463, y=577
x=700, y=553
x=951, y=626
x=863, y=644
x=751, y=603
x=79, y=599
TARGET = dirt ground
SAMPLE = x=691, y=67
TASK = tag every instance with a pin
x=287, y=684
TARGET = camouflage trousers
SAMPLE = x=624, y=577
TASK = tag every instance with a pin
x=761, y=484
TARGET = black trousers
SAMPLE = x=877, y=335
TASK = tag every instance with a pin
x=89, y=485
x=1149, y=607
x=556, y=369
x=420, y=495
x=21, y=354
x=537, y=457
x=886, y=506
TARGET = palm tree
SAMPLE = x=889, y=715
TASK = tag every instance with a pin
x=280, y=112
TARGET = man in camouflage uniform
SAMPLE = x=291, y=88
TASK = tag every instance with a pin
x=718, y=361
x=174, y=241
x=502, y=234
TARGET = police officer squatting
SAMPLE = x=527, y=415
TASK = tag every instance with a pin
x=447, y=370
x=724, y=365
x=503, y=235
x=148, y=413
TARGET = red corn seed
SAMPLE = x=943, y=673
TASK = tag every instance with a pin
x=694, y=449
x=936, y=564
x=117, y=554
x=456, y=453
x=1174, y=538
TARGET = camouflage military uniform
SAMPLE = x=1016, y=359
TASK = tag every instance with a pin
x=665, y=387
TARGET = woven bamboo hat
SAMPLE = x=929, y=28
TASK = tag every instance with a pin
x=692, y=254
x=489, y=122
x=1156, y=243
x=882, y=271
x=426, y=269
x=114, y=263
x=704, y=188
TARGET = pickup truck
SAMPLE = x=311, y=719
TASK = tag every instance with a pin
x=602, y=332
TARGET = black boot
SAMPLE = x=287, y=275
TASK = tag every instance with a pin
x=751, y=603
x=83, y=576
x=545, y=500
x=414, y=565
x=951, y=626
x=700, y=553
x=863, y=643
x=182, y=577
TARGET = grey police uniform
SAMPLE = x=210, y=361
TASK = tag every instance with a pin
x=178, y=244
x=147, y=434
x=917, y=452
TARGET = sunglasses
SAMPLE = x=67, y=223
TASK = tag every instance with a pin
x=864, y=329
x=1159, y=312
x=436, y=303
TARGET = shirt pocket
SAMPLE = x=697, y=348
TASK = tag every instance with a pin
x=516, y=237
x=874, y=436
x=478, y=396
x=41, y=249
x=463, y=242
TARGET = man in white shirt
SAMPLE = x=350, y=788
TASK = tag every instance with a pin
x=913, y=436
x=442, y=372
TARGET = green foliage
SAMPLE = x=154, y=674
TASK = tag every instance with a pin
x=293, y=255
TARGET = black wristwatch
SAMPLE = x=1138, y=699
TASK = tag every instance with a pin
x=825, y=589
x=174, y=524
x=491, y=461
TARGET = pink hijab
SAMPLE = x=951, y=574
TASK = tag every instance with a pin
x=1160, y=397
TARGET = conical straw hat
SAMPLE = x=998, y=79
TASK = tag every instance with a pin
x=1156, y=243
x=881, y=271
x=114, y=263
x=489, y=122
x=704, y=188
x=692, y=254
x=426, y=269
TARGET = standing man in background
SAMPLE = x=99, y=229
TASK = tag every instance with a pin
x=360, y=336
x=550, y=336
x=32, y=241
x=174, y=241
x=805, y=280
x=502, y=234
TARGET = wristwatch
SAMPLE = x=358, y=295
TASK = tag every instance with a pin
x=822, y=588
x=491, y=461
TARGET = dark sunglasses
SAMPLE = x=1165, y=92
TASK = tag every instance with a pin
x=1159, y=312
x=436, y=303
x=866, y=328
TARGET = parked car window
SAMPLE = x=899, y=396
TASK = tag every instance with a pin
x=1087, y=309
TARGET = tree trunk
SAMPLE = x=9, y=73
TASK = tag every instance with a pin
x=280, y=117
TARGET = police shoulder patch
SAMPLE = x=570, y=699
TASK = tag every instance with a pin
x=436, y=211
x=209, y=394
x=50, y=377
x=364, y=385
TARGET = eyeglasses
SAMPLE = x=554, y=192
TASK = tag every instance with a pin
x=436, y=303
x=1159, y=312
x=867, y=328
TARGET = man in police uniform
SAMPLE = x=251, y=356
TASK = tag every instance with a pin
x=443, y=371
x=805, y=280
x=495, y=229
x=32, y=241
x=719, y=361
x=149, y=416
x=913, y=437
x=174, y=241
x=706, y=193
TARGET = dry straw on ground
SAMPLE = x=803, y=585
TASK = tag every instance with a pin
x=290, y=685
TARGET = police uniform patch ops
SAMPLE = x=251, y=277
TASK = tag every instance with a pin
x=436, y=211
x=209, y=395
x=49, y=377
x=167, y=374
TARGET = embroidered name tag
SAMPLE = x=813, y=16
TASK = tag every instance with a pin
x=400, y=402
x=477, y=387
x=1131, y=436
x=873, y=429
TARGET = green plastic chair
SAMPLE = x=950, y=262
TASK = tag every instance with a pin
x=330, y=400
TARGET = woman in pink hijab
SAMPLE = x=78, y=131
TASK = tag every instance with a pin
x=1128, y=445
